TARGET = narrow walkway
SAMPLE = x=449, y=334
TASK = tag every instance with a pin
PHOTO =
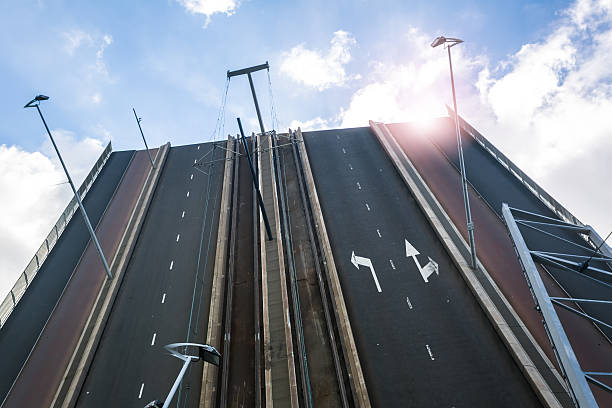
x=280, y=383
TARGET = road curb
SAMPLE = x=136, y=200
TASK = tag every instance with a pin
x=412, y=179
x=208, y=391
x=355, y=373
x=74, y=377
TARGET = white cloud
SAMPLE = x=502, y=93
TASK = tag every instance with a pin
x=547, y=106
x=413, y=89
x=74, y=40
x=210, y=7
x=317, y=123
x=100, y=64
x=317, y=69
x=555, y=96
x=34, y=183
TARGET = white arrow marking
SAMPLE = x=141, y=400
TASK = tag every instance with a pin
x=358, y=260
x=429, y=269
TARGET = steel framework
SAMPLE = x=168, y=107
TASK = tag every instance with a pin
x=596, y=267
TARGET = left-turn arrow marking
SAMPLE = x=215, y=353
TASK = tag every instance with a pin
x=367, y=262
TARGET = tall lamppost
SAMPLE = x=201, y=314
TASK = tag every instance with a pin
x=205, y=353
x=448, y=43
x=34, y=104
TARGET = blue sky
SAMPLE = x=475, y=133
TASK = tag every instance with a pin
x=530, y=74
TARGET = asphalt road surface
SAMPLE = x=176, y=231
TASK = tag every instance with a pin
x=19, y=334
x=164, y=295
x=422, y=338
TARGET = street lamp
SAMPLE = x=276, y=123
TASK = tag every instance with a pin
x=205, y=353
x=450, y=42
x=138, y=120
x=34, y=104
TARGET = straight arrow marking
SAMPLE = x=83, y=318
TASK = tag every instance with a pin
x=367, y=262
x=430, y=268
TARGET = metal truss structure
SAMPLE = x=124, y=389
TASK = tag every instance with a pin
x=592, y=261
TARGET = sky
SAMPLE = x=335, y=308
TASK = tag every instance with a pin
x=534, y=77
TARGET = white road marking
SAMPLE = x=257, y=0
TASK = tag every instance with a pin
x=392, y=264
x=350, y=167
x=429, y=269
x=178, y=236
x=367, y=206
x=429, y=351
x=171, y=264
x=409, y=304
x=183, y=214
x=164, y=299
x=378, y=232
x=358, y=260
x=153, y=341
x=191, y=178
x=194, y=161
x=338, y=137
x=188, y=194
x=358, y=186
x=343, y=151
x=140, y=393
x=198, y=147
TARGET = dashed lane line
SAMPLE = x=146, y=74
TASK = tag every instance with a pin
x=178, y=236
x=164, y=299
x=350, y=166
x=358, y=186
x=367, y=206
x=343, y=151
x=153, y=340
x=409, y=303
x=378, y=232
x=430, y=353
x=188, y=194
x=191, y=178
x=171, y=265
x=183, y=214
x=140, y=393
x=392, y=264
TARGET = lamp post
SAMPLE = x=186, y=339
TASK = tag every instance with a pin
x=138, y=120
x=205, y=353
x=34, y=104
x=450, y=42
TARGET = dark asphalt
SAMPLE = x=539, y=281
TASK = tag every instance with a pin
x=420, y=344
x=125, y=358
x=22, y=329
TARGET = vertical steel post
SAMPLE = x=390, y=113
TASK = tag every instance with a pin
x=76, y=195
x=261, y=126
x=143, y=138
x=255, y=183
x=466, y=198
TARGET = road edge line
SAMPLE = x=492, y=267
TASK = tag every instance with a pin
x=355, y=373
x=101, y=312
x=208, y=390
x=522, y=359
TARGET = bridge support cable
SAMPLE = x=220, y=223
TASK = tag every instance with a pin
x=576, y=378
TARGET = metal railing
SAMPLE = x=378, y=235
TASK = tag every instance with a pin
x=538, y=191
x=28, y=275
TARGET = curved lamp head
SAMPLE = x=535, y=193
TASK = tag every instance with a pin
x=443, y=40
x=38, y=98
